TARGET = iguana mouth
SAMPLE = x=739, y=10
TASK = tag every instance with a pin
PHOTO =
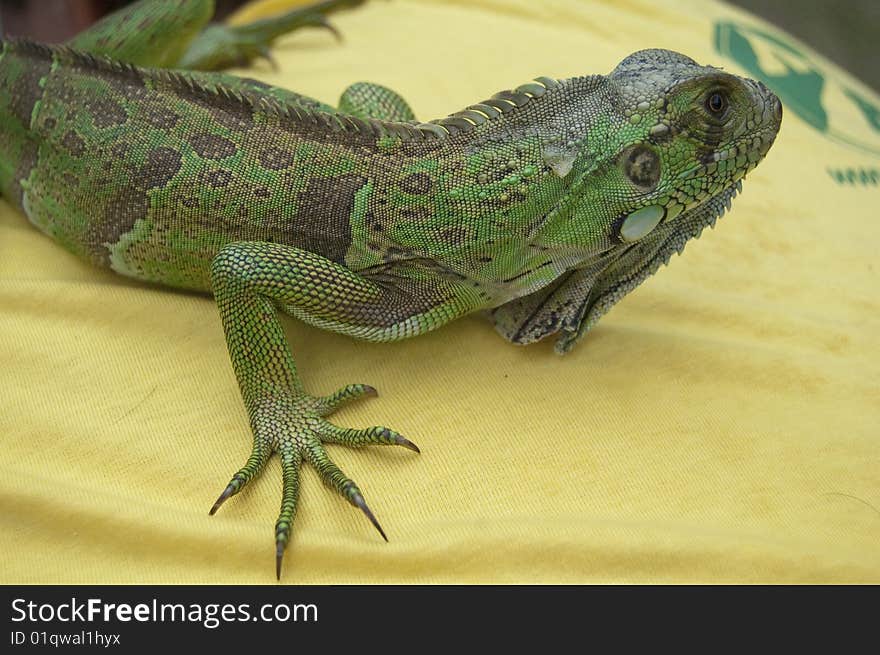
x=746, y=155
x=743, y=156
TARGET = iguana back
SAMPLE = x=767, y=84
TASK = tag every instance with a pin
x=151, y=172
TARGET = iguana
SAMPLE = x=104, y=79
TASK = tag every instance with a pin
x=541, y=206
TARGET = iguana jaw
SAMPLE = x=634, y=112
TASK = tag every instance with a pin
x=743, y=156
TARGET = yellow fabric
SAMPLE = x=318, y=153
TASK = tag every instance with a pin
x=720, y=424
x=259, y=9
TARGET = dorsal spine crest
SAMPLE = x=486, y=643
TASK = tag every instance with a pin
x=463, y=121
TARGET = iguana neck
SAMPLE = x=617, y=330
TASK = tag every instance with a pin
x=523, y=167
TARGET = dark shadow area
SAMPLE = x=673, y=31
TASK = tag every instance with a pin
x=845, y=32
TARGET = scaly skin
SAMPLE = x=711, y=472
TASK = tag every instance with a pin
x=543, y=205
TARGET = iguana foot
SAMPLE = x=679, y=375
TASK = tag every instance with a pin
x=297, y=431
x=221, y=46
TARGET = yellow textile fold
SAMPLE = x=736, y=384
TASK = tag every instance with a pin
x=719, y=425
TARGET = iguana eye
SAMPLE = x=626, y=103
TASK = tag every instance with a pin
x=716, y=103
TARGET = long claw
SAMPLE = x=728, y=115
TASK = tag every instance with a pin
x=227, y=493
x=279, y=555
x=406, y=443
x=254, y=465
x=377, y=435
x=335, y=478
x=290, y=463
x=321, y=21
x=358, y=500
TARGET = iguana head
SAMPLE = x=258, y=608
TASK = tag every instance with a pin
x=693, y=132
x=654, y=153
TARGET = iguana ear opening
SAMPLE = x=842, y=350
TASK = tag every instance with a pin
x=641, y=165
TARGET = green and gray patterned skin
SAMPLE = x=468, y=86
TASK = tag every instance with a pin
x=543, y=205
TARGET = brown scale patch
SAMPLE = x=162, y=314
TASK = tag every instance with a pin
x=416, y=213
x=5, y=84
x=218, y=178
x=107, y=113
x=393, y=253
x=212, y=146
x=119, y=150
x=420, y=148
x=161, y=117
x=162, y=165
x=74, y=143
x=131, y=202
x=416, y=183
x=26, y=162
x=322, y=224
x=121, y=212
x=287, y=182
x=262, y=192
x=274, y=158
x=128, y=83
x=454, y=235
x=26, y=90
x=227, y=111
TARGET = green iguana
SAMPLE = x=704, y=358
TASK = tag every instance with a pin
x=543, y=205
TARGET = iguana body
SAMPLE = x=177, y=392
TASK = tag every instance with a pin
x=543, y=205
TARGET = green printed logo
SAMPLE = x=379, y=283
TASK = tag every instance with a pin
x=787, y=68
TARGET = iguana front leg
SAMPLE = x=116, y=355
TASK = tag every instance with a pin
x=251, y=282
